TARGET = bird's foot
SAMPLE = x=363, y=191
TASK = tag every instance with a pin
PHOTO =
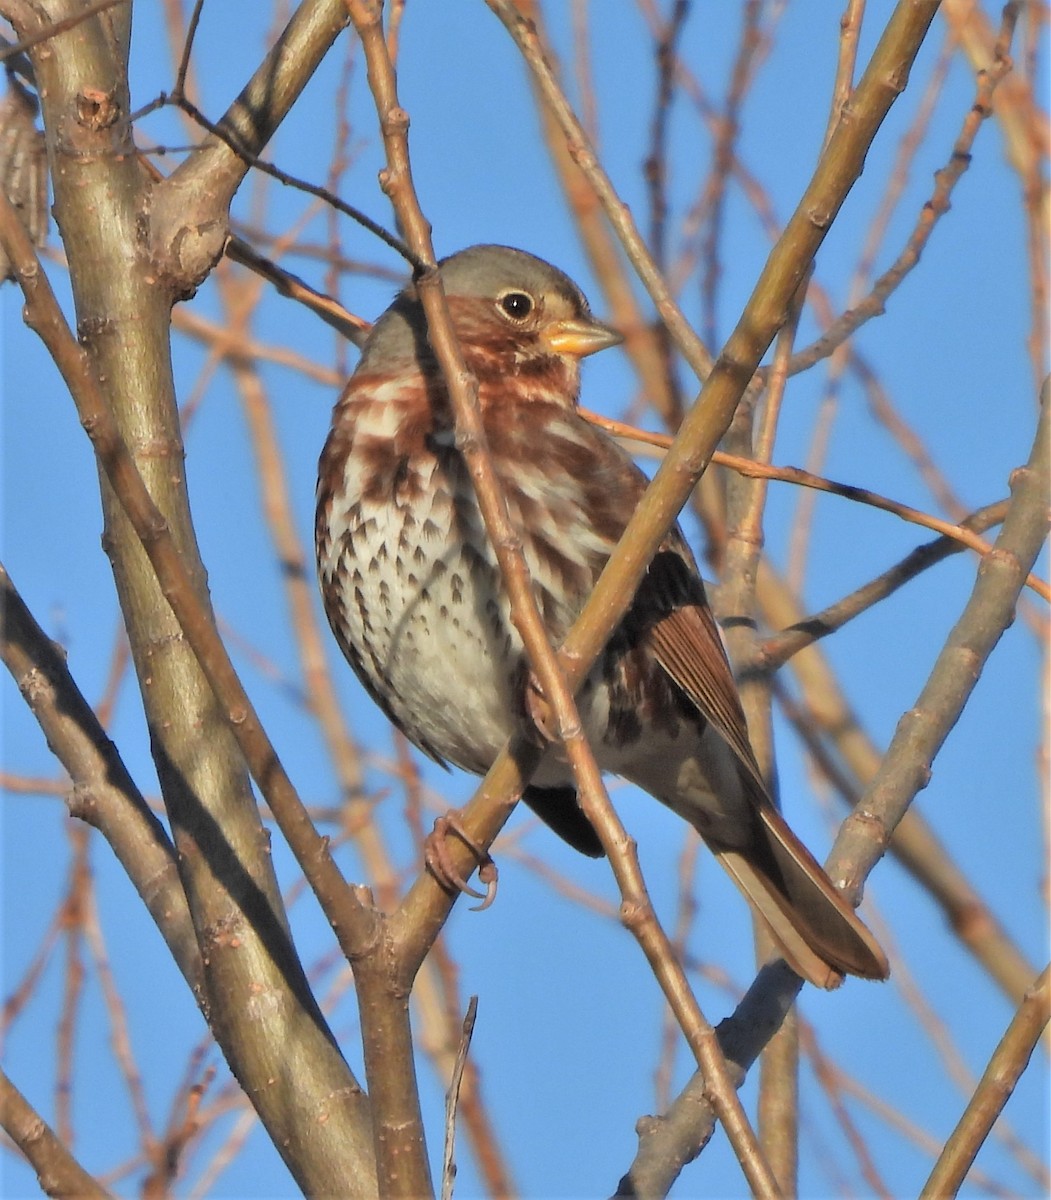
x=440, y=862
x=539, y=711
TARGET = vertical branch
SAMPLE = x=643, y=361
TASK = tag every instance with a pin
x=746, y=503
x=471, y=441
x=123, y=378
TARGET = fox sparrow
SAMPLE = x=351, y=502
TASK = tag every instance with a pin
x=414, y=595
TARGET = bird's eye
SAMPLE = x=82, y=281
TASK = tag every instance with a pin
x=516, y=305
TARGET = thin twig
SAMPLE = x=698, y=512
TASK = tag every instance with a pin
x=224, y=135
x=104, y=793
x=759, y=470
x=355, y=329
x=341, y=906
x=57, y=1170
x=57, y=27
x=452, y=1097
x=637, y=909
x=1005, y=1068
x=945, y=181
x=780, y=647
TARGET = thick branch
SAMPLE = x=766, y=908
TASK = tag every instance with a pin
x=285, y=1058
x=189, y=215
x=987, y=614
x=104, y=794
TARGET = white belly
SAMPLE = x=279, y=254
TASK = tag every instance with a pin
x=433, y=634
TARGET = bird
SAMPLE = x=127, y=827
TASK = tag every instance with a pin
x=414, y=596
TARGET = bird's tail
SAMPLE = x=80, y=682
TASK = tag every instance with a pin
x=818, y=932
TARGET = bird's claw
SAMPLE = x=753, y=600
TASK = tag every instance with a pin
x=440, y=864
x=538, y=709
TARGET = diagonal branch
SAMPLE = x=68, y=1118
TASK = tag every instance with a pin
x=189, y=213
x=905, y=769
x=241, y=927
x=1005, y=1068
x=637, y=910
x=104, y=793
x=57, y=1170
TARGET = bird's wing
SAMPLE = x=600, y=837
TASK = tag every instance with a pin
x=818, y=931
x=686, y=642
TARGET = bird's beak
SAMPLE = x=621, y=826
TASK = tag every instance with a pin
x=578, y=338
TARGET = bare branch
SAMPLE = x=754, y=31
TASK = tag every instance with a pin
x=190, y=211
x=104, y=794
x=989, y=611
x=57, y=1170
x=452, y=1098
x=1005, y=1068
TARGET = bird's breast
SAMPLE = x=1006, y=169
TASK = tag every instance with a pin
x=412, y=587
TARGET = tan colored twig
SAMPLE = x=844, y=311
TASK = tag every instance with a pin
x=73, y=979
x=685, y=920
x=834, y=1077
x=638, y=912
x=58, y=1172
x=218, y=339
x=841, y=358
x=1005, y=1068
x=169, y=1152
x=518, y=18
x=989, y=611
x=1015, y=105
x=353, y=328
x=911, y=444
x=437, y=996
x=46, y=319
x=452, y=1099
x=940, y=1039
x=104, y=794
x=780, y=647
x=712, y=203
x=754, y=432
x=829, y=1078
x=759, y=470
x=945, y=180
x=119, y=1027
x=666, y=1142
x=846, y=61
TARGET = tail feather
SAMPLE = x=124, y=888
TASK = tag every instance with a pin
x=820, y=935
